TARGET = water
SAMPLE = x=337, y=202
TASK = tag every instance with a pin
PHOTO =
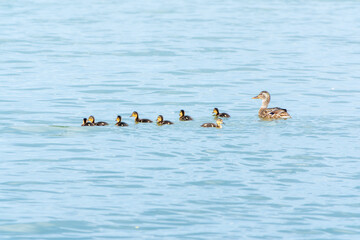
x=65, y=60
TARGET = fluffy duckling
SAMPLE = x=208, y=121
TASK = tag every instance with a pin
x=92, y=120
x=120, y=123
x=270, y=113
x=160, y=121
x=183, y=117
x=218, y=114
x=219, y=121
x=86, y=123
x=138, y=120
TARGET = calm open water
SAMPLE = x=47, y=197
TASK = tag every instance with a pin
x=65, y=60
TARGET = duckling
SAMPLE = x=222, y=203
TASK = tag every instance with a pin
x=160, y=121
x=219, y=121
x=86, y=123
x=183, y=117
x=138, y=120
x=120, y=123
x=270, y=113
x=92, y=120
x=217, y=114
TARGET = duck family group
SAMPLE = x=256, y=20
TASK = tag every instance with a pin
x=264, y=113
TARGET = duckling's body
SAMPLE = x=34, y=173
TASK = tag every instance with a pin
x=138, y=120
x=270, y=113
x=183, y=117
x=218, y=114
x=92, y=120
x=160, y=121
x=86, y=123
x=120, y=123
x=218, y=123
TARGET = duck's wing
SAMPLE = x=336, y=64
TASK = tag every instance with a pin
x=185, y=118
x=188, y=118
x=224, y=115
x=277, y=112
x=121, y=124
x=102, y=124
x=145, y=120
x=209, y=125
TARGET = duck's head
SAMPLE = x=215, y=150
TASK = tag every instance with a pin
x=91, y=119
x=216, y=111
x=160, y=118
x=134, y=114
x=182, y=113
x=84, y=120
x=118, y=119
x=219, y=121
x=264, y=95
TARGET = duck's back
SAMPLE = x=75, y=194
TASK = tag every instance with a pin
x=101, y=123
x=145, y=120
x=274, y=113
x=185, y=118
x=166, y=123
x=121, y=124
x=224, y=115
x=209, y=125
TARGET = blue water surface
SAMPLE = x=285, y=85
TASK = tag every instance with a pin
x=62, y=61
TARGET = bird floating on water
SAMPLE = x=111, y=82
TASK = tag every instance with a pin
x=160, y=121
x=218, y=123
x=86, y=122
x=183, y=117
x=138, y=120
x=218, y=114
x=119, y=122
x=92, y=120
x=270, y=113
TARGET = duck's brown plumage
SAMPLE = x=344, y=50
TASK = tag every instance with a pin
x=218, y=123
x=183, y=117
x=138, y=120
x=270, y=113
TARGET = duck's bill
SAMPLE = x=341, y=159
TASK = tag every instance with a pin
x=255, y=97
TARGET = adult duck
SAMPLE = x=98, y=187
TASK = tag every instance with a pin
x=270, y=113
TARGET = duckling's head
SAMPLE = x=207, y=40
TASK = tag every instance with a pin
x=84, y=120
x=118, y=119
x=216, y=111
x=182, y=113
x=160, y=118
x=264, y=95
x=91, y=119
x=219, y=121
x=134, y=114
